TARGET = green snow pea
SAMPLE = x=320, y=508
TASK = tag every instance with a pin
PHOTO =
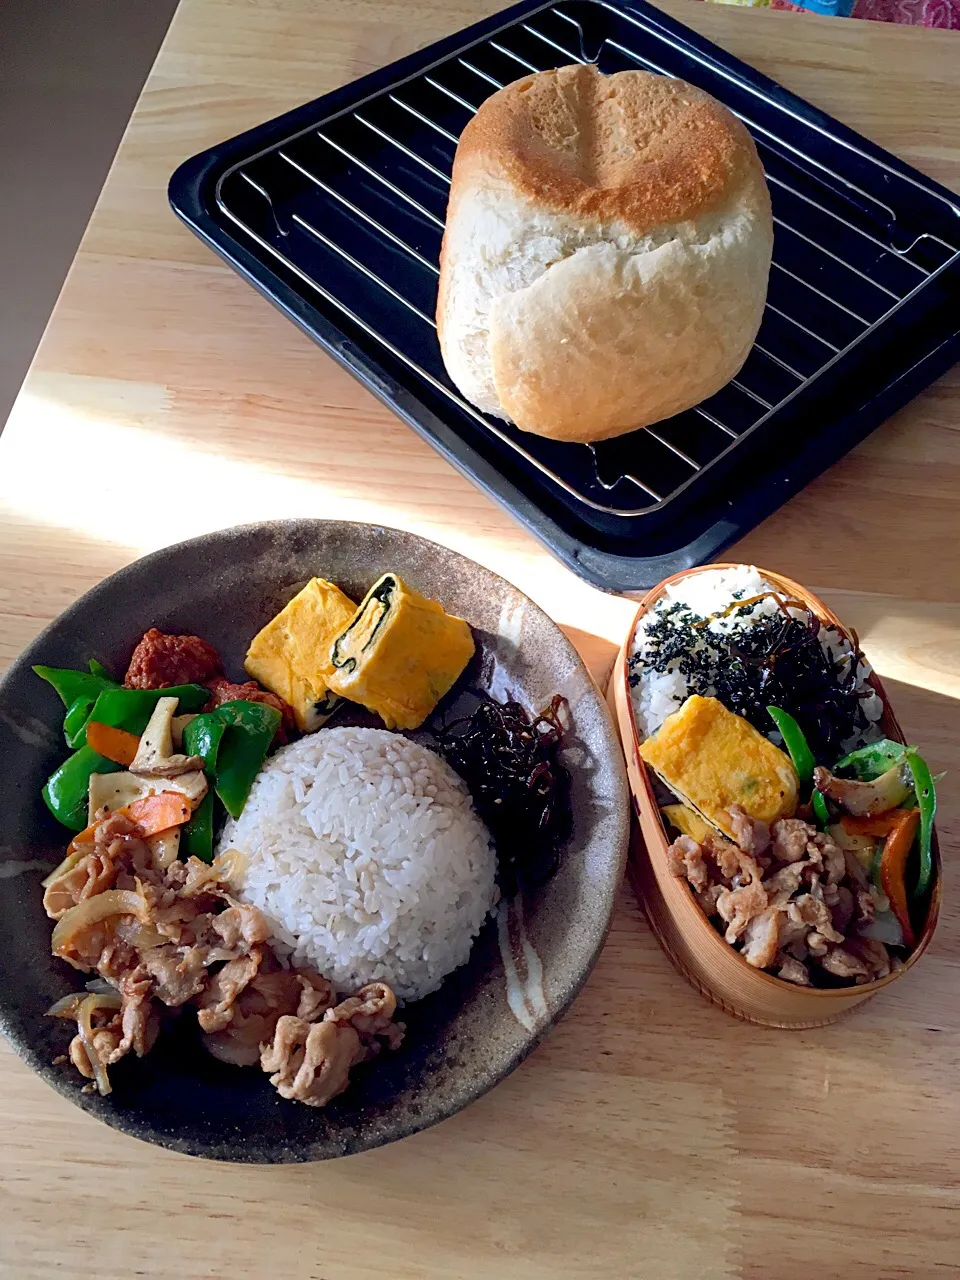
x=66, y=790
x=870, y=762
x=795, y=743
x=131, y=709
x=233, y=741
x=197, y=839
x=75, y=721
x=926, y=792
x=820, y=810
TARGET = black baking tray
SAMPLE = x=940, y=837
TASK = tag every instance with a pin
x=335, y=212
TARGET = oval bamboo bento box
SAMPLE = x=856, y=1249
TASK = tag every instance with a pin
x=696, y=948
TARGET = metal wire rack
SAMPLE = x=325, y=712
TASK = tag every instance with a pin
x=335, y=212
x=363, y=193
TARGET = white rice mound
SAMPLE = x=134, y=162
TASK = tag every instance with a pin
x=657, y=694
x=365, y=852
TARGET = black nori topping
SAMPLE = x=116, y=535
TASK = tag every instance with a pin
x=776, y=661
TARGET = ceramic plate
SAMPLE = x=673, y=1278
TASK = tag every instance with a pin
x=526, y=967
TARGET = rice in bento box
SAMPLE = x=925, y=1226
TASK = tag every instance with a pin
x=728, y=633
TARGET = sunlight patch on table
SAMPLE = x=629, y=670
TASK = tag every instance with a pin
x=127, y=484
x=114, y=475
x=919, y=648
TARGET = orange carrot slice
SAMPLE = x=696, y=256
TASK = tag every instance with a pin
x=881, y=824
x=160, y=812
x=893, y=863
x=150, y=816
x=116, y=744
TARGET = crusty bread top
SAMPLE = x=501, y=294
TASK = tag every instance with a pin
x=633, y=148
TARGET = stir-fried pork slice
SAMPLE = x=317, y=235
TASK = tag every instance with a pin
x=793, y=970
x=873, y=955
x=793, y=936
x=177, y=975
x=834, y=862
x=733, y=863
x=215, y=1005
x=737, y=907
x=96, y=946
x=194, y=879
x=790, y=839
x=115, y=843
x=137, y=1022
x=814, y=912
x=691, y=861
x=686, y=861
x=241, y=924
x=268, y=997
x=794, y=841
x=90, y=875
x=181, y=922
x=843, y=965
x=761, y=938
x=784, y=883
x=751, y=835
x=317, y=995
x=311, y=1062
x=370, y=1012
x=110, y=1035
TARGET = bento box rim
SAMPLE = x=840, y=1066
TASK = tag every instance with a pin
x=892, y=728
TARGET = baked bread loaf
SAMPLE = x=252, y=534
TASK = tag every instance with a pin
x=606, y=252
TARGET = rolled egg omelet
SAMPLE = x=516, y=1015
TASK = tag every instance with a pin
x=291, y=655
x=400, y=654
x=713, y=759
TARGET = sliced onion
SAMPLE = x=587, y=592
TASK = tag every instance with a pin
x=66, y=1006
x=100, y=987
x=85, y=1012
x=144, y=937
x=230, y=865
x=69, y=1006
x=864, y=847
x=113, y=902
x=884, y=927
x=69, y=862
x=165, y=847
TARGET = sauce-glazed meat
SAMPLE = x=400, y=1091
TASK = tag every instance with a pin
x=160, y=661
x=164, y=936
x=223, y=690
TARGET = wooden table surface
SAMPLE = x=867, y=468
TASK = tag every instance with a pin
x=651, y=1136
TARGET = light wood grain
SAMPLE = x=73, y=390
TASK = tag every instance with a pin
x=651, y=1135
